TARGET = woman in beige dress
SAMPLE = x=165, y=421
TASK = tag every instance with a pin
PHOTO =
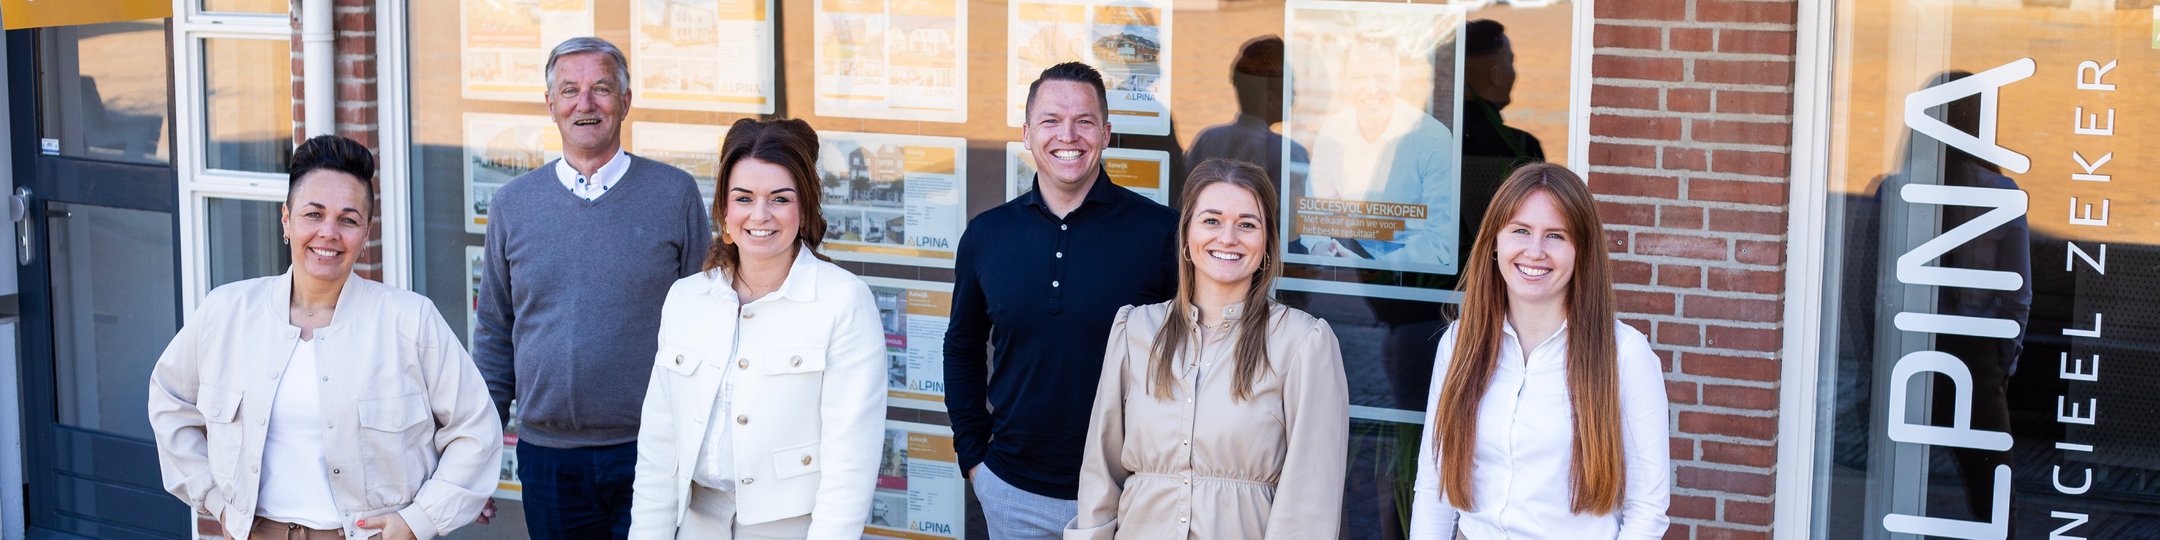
x=1220, y=414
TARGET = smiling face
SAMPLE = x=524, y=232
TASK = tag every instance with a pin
x=1067, y=133
x=326, y=220
x=761, y=216
x=1225, y=237
x=1536, y=252
x=587, y=103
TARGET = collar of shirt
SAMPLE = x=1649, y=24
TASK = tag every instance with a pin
x=801, y=282
x=1507, y=328
x=1230, y=313
x=1101, y=193
x=601, y=181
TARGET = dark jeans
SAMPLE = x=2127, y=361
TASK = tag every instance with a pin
x=577, y=493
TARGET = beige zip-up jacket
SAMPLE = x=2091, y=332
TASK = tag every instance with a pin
x=409, y=426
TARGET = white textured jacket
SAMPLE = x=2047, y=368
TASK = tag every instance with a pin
x=809, y=400
x=409, y=428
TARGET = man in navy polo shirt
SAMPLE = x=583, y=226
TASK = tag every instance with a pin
x=1039, y=279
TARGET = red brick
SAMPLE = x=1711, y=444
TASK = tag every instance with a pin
x=1622, y=155
x=1631, y=185
x=1624, y=97
x=1727, y=131
x=1635, y=127
x=354, y=21
x=1703, y=189
x=1731, y=309
x=1763, y=72
x=1680, y=217
x=1683, y=449
x=1680, y=392
x=1688, y=159
x=1692, y=507
x=1745, y=427
x=1639, y=325
x=1728, y=367
x=1740, y=397
x=1665, y=359
x=1748, y=455
x=1679, y=531
x=1631, y=272
x=356, y=69
x=1621, y=213
x=1679, y=334
x=1687, y=100
x=1745, y=102
x=1778, y=42
x=1743, y=483
x=1747, y=221
x=1748, y=513
x=1617, y=241
x=1653, y=10
x=1743, y=11
x=1744, y=339
x=1692, y=39
x=1629, y=37
x=1758, y=252
x=1675, y=245
x=1645, y=302
x=1679, y=275
x=1708, y=532
x=1771, y=164
x=1747, y=281
x=1639, y=68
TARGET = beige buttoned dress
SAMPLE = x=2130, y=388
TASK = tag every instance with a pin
x=1202, y=464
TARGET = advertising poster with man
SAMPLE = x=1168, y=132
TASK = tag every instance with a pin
x=702, y=55
x=1128, y=40
x=500, y=147
x=893, y=199
x=506, y=44
x=914, y=314
x=1146, y=172
x=1382, y=185
x=891, y=59
x=920, y=494
x=693, y=148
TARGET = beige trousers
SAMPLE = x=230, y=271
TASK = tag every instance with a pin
x=712, y=516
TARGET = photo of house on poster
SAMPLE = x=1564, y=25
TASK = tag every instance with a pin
x=893, y=199
x=1146, y=172
x=702, y=55
x=506, y=44
x=920, y=494
x=690, y=147
x=1381, y=189
x=475, y=256
x=914, y=314
x=891, y=59
x=1129, y=40
x=499, y=147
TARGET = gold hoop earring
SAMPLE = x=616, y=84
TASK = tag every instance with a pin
x=725, y=239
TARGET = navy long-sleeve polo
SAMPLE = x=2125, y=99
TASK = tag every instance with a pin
x=1041, y=292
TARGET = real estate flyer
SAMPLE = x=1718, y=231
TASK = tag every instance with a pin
x=893, y=199
x=1129, y=40
x=691, y=147
x=1146, y=172
x=891, y=59
x=920, y=493
x=915, y=314
x=498, y=148
x=703, y=55
x=506, y=44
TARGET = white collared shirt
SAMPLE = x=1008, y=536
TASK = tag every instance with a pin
x=1524, y=454
x=591, y=188
x=295, y=482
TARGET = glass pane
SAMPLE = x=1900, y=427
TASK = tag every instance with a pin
x=1990, y=272
x=114, y=295
x=246, y=6
x=247, y=110
x=245, y=241
x=105, y=91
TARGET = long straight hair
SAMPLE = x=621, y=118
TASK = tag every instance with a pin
x=788, y=143
x=1250, y=353
x=1596, y=478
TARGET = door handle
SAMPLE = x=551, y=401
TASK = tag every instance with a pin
x=19, y=212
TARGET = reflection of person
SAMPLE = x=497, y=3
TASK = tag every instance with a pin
x=1221, y=413
x=1382, y=148
x=1257, y=77
x=1501, y=456
x=247, y=401
x=765, y=413
x=579, y=256
x=1039, y=279
x=1490, y=148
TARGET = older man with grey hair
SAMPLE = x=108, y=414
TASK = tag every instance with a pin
x=580, y=254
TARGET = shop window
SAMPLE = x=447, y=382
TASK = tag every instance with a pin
x=247, y=119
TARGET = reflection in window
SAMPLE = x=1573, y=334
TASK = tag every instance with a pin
x=247, y=104
x=245, y=6
x=104, y=90
x=244, y=240
x=111, y=285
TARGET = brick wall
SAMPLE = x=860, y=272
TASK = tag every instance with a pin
x=1690, y=128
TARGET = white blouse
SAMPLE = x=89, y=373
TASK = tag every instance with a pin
x=1524, y=454
x=295, y=480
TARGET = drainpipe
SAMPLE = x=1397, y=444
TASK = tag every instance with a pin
x=318, y=67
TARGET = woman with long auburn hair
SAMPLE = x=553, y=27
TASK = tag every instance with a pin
x=1547, y=417
x=1221, y=413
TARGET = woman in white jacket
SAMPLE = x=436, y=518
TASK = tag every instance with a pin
x=765, y=414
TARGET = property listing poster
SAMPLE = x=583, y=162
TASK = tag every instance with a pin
x=498, y=148
x=507, y=484
x=891, y=59
x=915, y=314
x=1146, y=172
x=1129, y=40
x=506, y=44
x=690, y=147
x=920, y=494
x=1371, y=91
x=475, y=261
x=702, y=55
x=893, y=199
